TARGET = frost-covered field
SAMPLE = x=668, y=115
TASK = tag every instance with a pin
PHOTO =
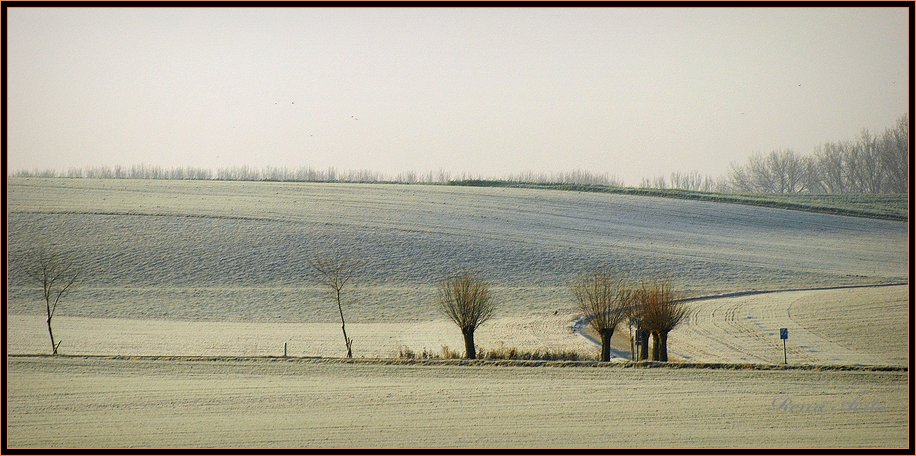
x=221, y=269
x=847, y=326
x=95, y=403
x=86, y=336
x=238, y=251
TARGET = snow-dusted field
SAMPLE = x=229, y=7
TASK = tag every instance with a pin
x=848, y=326
x=221, y=269
x=238, y=251
x=304, y=404
x=87, y=336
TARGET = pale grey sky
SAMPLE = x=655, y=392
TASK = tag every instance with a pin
x=629, y=91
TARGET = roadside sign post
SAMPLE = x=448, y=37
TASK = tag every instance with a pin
x=784, y=334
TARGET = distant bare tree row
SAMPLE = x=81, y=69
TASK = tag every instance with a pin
x=234, y=173
x=581, y=177
x=782, y=171
x=300, y=174
x=869, y=164
x=692, y=181
x=140, y=171
x=310, y=174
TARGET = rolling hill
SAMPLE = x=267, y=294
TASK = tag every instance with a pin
x=238, y=251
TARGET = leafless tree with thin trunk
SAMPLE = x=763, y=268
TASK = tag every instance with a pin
x=57, y=277
x=336, y=272
x=466, y=300
x=660, y=312
x=604, y=301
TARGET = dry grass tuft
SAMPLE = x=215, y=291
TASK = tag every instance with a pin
x=500, y=353
x=448, y=353
x=512, y=353
x=408, y=353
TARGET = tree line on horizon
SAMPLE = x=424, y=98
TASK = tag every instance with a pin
x=870, y=163
x=309, y=174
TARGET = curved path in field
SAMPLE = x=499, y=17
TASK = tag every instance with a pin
x=739, y=327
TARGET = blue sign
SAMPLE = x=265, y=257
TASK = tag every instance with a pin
x=783, y=333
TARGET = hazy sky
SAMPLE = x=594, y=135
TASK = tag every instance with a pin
x=629, y=91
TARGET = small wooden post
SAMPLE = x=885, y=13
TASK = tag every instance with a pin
x=284, y=349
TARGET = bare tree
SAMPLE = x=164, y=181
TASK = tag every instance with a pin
x=780, y=171
x=864, y=163
x=756, y=176
x=57, y=277
x=831, y=167
x=660, y=312
x=466, y=300
x=787, y=171
x=605, y=302
x=336, y=272
x=894, y=148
